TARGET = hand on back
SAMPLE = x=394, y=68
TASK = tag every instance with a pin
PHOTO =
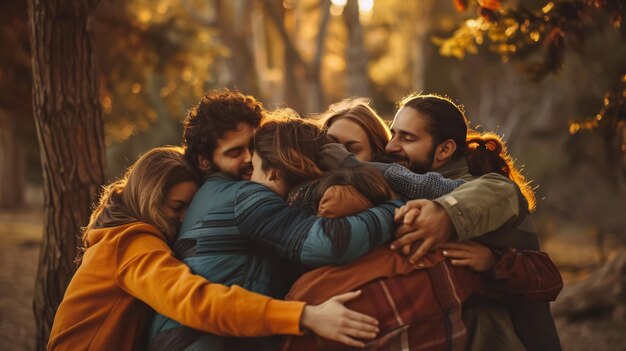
x=333, y=321
x=424, y=226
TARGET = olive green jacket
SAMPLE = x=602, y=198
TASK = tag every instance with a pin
x=483, y=204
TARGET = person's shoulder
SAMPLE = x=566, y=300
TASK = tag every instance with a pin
x=250, y=187
x=136, y=229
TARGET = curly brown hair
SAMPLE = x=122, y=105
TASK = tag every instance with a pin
x=218, y=112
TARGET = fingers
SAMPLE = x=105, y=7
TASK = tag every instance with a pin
x=361, y=318
x=404, y=229
x=407, y=239
x=406, y=250
x=410, y=205
x=458, y=254
x=343, y=298
x=422, y=249
x=358, y=333
x=365, y=329
x=462, y=262
x=411, y=215
x=398, y=214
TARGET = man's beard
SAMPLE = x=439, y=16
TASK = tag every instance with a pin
x=419, y=167
x=244, y=172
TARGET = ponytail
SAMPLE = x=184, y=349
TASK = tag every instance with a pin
x=487, y=153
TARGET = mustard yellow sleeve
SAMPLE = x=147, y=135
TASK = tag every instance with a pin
x=146, y=269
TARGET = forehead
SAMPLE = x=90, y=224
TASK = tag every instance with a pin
x=410, y=120
x=182, y=191
x=344, y=129
x=238, y=137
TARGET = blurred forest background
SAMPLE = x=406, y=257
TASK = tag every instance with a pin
x=548, y=76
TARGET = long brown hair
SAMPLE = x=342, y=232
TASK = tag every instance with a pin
x=290, y=145
x=139, y=194
x=367, y=180
x=358, y=110
x=486, y=152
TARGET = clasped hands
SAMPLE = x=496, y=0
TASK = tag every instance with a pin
x=425, y=225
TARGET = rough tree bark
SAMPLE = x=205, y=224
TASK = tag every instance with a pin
x=68, y=119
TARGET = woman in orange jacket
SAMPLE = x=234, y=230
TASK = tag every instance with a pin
x=127, y=269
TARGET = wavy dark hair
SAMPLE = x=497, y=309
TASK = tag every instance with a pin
x=446, y=119
x=217, y=113
x=290, y=144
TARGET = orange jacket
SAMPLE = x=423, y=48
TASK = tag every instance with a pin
x=129, y=269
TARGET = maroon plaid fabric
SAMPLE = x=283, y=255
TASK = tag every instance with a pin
x=421, y=310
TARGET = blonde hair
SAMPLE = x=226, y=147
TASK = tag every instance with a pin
x=359, y=111
x=139, y=194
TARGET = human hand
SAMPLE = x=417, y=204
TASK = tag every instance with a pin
x=425, y=223
x=333, y=321
x=471, y=254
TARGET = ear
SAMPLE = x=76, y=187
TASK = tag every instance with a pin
x=274, y=175
x=204, y=164
x=444, y=152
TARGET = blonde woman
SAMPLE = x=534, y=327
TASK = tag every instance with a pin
x=128, y=269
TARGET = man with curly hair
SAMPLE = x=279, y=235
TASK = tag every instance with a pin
x=218, y=132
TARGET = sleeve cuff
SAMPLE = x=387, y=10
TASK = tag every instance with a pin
x=460, y=221
x=283, y=317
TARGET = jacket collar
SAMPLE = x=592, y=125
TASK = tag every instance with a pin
x=454, y=169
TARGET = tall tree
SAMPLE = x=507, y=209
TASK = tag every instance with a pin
x=69, y=128
x=356, y=55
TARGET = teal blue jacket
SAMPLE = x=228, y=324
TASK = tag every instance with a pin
x=240, y=232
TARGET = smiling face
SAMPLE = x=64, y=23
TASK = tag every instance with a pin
x=232, y=154
x=353, y=137
x=411, y=144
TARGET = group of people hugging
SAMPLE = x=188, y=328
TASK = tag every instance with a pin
x=270, y=231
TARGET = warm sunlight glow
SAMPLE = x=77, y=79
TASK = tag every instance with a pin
x=366, y=8
x=135, y=88
x=145, y=16
x=336, y=10
x=337, y=6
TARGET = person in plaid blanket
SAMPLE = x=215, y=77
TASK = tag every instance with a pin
x=419, y=305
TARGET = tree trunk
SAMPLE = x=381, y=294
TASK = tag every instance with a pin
x=68, y=119
x=356, y=55
x=233, y=22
